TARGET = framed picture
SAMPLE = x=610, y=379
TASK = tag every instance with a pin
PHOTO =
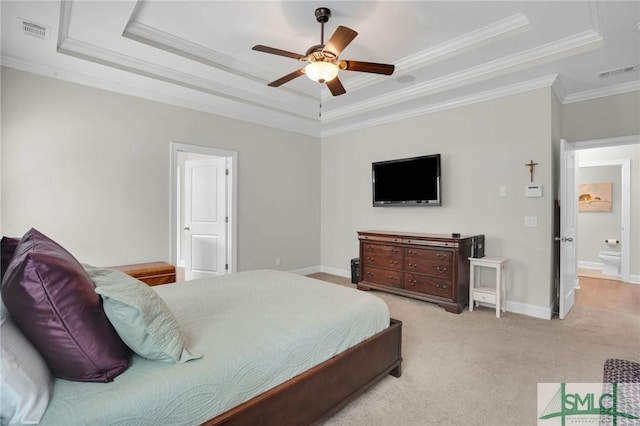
x=594, y=197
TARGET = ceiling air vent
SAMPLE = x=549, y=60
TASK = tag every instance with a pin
x=35, y=30
x=618, y=71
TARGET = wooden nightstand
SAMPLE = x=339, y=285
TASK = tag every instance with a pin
x=152, y=273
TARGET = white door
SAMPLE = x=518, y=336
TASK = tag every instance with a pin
x=205, y=218
x=568, y=221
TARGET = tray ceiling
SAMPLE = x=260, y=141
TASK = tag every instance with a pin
x=197, y=54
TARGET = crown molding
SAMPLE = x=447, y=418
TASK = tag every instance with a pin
x=502, y=92
x=499, y=30
x=562, y=48
x=294, y=110
x=220, y=107
x=143, y=68
x=86, y=51
x=618, y=89
x=169, y=43
x=559, y=89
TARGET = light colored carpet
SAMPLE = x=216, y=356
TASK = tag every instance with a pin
x=475, y=369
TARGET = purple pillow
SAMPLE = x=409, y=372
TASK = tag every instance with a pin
x=7, y=247
x=53, y=302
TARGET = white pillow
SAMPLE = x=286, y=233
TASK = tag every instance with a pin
x=26, y=380
x=141, y=318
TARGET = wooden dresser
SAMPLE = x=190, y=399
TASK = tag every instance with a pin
x=429, y=267
x=152, y=273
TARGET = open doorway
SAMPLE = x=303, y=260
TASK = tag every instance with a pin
x=614, y=156
x=203, y=211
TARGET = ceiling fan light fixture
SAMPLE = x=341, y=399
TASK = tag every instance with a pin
x=321, y=71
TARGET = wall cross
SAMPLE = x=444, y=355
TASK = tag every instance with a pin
x=531, y=165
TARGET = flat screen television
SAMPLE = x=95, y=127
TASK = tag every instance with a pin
x=407, y=182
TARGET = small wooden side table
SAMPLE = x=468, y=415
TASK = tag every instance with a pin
x=151, y=273
x=494, y=293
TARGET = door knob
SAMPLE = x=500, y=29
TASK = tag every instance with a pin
x=186, y=228
x=563, y=239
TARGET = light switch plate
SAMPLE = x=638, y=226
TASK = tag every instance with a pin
x=531, y=221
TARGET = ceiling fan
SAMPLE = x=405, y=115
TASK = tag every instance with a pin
x=323, y=63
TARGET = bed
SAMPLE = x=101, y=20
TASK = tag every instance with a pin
x=268, y=347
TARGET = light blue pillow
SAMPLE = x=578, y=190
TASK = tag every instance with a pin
x=26, y=380
x=141, y=318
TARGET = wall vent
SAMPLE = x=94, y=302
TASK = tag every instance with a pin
x=35, y=30
x=618, y=71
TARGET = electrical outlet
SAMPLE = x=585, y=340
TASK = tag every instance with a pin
x=503, y=191
x=531, y=221
x=277, y=261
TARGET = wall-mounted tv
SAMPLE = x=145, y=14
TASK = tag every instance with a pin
x=407, y=182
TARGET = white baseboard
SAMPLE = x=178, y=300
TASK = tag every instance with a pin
x=590, y=265
x=529, y=310
x=326, y=269
x=307, y=271
x=336, y=271
x=633, y=279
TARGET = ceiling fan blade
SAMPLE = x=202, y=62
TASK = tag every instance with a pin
x=371, y=67
x=339, y=40
x=286, y=78
x=336, y=87
x=279, y=52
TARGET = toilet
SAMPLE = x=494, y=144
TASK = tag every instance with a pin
x=612, y=261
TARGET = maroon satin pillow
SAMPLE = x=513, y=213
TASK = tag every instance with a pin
x=7, y=248
x=53, y=301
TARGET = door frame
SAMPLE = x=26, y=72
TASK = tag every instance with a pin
x=604, y=143
x=232, y=198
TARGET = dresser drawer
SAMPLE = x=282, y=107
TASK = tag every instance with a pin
x=382, y=256
x=382, y=276
x=483, y=296
x=429, y=267
x=429, y=255
x=428, y=285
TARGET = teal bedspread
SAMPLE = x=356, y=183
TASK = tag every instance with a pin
x=255, y=329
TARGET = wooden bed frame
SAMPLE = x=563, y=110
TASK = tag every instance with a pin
x=319, y=392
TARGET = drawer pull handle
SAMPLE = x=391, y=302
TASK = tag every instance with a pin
x=411, y=281
x=413, y=265
x=394, y=251
x=370, y=259
x=441, y=286
x=370, y=273
x=370, y=248
x=441, y=270
x=393, y=262
x=392, y=278
x=441, y=256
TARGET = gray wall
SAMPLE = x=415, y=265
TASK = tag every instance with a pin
x=483, y=146
x=601, y=118
x=90, y=168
